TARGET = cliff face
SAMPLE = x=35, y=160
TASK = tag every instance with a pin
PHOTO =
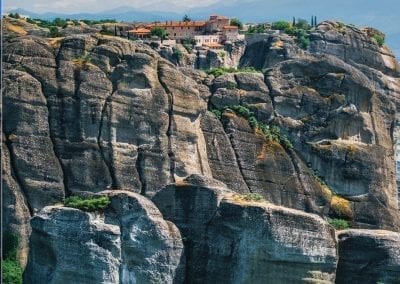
x=89, y=113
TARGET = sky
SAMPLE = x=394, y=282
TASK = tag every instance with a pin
x=75, y=6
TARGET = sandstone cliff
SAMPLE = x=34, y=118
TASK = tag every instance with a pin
x=89, y=113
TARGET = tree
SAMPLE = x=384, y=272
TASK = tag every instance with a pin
x=186, y=18
x=302, y=24
x=160, y=32
x=237, y=22
x=280, y=25
x=294, y=22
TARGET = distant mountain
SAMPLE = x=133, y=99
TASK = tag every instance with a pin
x=126, y=14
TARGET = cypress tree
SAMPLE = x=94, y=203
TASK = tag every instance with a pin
x=294, y=22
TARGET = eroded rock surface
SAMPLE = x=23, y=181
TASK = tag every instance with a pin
x=235, y=241
x=368, y=256
x=127, y=243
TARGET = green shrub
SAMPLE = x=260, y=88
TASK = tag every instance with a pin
x=10, y=245
x=54, y=32
x=303, y=24
x=87, y=204
x=14, y=15
x=379, y=39
x=271, y=133
x=188, y=47
x=339, y=224
x=280, y=25
x=217, y=113
x=176, y=53
x=303, y=41
x=105, y=31
x=12, y=272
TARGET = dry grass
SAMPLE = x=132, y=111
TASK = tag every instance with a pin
x=248, y=199
x=341, y=206
x=278, y=44
x=56, y=42
x=268, y=147
x=16, y=29
x=181, y=182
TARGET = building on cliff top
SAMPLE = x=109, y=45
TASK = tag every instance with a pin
x=215, y=30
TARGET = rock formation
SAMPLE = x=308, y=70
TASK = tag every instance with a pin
x=87, y=113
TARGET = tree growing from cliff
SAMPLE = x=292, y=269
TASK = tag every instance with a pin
x=160, y=32
x=236, y=22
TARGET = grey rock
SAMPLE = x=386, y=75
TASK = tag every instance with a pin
x=127, y=243
x=368, y=256
x=231, y=240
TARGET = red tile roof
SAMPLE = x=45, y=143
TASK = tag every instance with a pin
x=230, y=27
x=140, y=31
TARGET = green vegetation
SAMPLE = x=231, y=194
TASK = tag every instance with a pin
x=14, y=15
x=301, y=34
x=12, y=271
x=186, y=18
x=222, y=70
x=105, y=31
x=217, y=113
x=250, y=197
x=176, y=53
x=302, y=24
x=82, y=61
x=258, y=29
x=281, y=25
x=87, y=204
x=160, y=32
x=270, y=132
x=237, y=22
x=339, y=224
x=54, y=32
x=379, y=39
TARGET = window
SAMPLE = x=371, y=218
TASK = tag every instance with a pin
x=174, y=34
x=188, y=28
x=181, y=28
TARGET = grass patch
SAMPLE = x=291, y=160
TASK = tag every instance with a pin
x=219, y=71
x=249, y=197
x=379, y=39
x=87, y=204
x=83, y=62
x=339, y=224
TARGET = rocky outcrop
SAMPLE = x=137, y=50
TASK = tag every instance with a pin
x=367, y=256
x=127, y=243
x=88, y=112
x=229, y=239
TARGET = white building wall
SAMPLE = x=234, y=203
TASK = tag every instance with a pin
x=201, y=39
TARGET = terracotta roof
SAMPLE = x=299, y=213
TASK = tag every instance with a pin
x=230, y=27
x=140, y=31
x=212, y=45
x=179, y=24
